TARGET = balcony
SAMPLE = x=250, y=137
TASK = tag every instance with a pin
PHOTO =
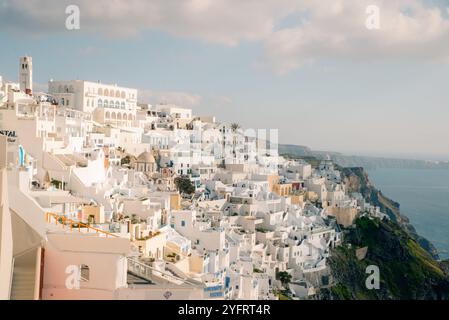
x=90, y=95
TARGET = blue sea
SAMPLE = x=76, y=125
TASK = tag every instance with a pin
x=423, y=195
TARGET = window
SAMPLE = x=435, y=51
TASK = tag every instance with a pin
x=123, y=105
x=117, y=105
x=100, y=103
x=106, y=104
x=183, y=223
x=84, y=273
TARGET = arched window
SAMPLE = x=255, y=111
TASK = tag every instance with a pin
x=88, y=102
x=119, y=116
x=100, y=91
x=100, y=103
x=106, y=104
x=108, y=115
x=123, y=95
x=106, y=92
x=123, y=105
x=117, y=94
x=117, y=105
x=112, y=94
x=125, y=117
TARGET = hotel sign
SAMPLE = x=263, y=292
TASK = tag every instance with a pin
x=11, y=135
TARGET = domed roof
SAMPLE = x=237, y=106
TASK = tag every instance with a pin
x=146, y=157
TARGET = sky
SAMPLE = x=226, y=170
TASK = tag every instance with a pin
x=311, y=69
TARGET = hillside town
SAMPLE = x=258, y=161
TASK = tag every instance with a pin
x=105, y=197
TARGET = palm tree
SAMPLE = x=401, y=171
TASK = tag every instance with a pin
x=284, y=277
x=234, y=127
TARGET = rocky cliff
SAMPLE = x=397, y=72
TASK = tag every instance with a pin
x=406, y=270
x=357, y=180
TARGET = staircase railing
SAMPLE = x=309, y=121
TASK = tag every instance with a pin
x=12, y=276
x=140, y=269
x=148, y=272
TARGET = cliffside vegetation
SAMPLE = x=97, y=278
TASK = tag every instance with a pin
x=357, y=180
x=406, y=270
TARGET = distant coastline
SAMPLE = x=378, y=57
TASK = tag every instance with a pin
x=367, y=162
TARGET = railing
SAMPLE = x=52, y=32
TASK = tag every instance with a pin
x=140, y=269
x=12, y=276
x=148, y=272
x=72, y=224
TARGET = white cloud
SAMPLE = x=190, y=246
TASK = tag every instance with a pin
x=220, y=21
x=408, y=30
x=325, y=29
x=183, y=99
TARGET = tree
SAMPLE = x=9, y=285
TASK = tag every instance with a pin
x=126, y=160
x=184, y=185
x=234, y=127
x=284, y=277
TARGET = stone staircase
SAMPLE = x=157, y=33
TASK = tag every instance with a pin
x=23, y=283
x=23, y=286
